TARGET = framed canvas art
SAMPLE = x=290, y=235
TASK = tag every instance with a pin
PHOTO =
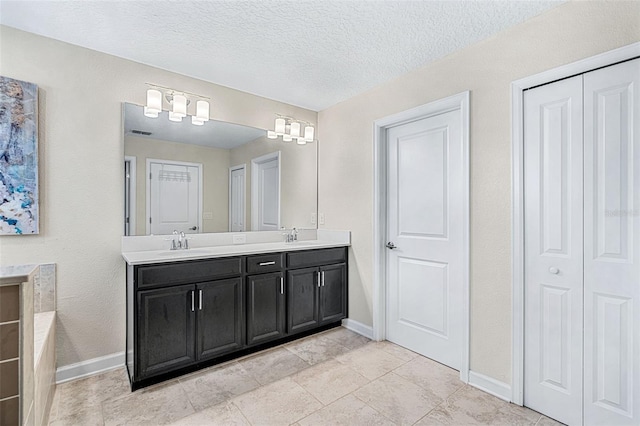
x=18, y=157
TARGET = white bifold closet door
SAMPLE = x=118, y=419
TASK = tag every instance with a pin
x=612, y=245
x=582, y=247
x=554, y=250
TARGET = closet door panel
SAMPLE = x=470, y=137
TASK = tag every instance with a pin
x=612, y=245
x=553, y=249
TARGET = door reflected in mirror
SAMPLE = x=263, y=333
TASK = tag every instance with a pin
x=218, y=177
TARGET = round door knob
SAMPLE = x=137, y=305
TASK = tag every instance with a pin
x=193, y=228
x=554, y=270
x=390, y=245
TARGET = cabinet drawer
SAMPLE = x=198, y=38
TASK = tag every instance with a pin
x=303, y=259
x=193, y=271
x=264, y=263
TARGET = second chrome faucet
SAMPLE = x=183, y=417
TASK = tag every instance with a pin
x=182, y=243
x=291, y=236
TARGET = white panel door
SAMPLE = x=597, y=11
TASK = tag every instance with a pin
x=236, y=199
x=174, y=197
x=612, y=245
x=265, y=193
x=425, y=223
x=553, y=249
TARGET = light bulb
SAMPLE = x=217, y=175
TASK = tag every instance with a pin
x=279, y=127
x=271, y=134
x=180, y=105
x=302, y=141
x=295, y=129
x=150, y=114
x=154, y=101
x=196, y=121
x=174, y=117
x=308, y=133
x=202, y=110
x=287, y=138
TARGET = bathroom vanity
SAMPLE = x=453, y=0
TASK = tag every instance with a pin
x=195, y=308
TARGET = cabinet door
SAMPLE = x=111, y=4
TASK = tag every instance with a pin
x=333, y=293
x=265, y=308
x=166, y=320
x=220, y=317
x=302, y=299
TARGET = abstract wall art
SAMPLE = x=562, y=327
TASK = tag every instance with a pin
x=18, y=157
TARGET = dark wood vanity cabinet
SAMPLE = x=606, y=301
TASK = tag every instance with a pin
x=184, y=313
x=219, y=318
x=265, y=308
x=183, y=316
x=333, y=293
x=316, y=295
x=165, y=326
x=181, y=325
x=302, y=303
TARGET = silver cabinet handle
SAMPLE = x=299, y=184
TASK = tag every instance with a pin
x=281, y=285
x=200, y=299
x=267, y=263
x=193, y=307
x=319, y=280
x=322, y=275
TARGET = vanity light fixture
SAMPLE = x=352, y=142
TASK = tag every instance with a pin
x=290, y=128
x=179, y=102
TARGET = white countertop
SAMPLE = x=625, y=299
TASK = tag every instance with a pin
x=165, y=256
x=16, y=274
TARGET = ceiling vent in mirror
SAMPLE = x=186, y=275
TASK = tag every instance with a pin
x=140, y=132
x=178, y=101
x=290, y=128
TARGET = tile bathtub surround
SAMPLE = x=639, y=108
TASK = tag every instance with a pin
x=10, y=411
x=9, y=354
x=44, y=364
x=9, y=303
x=9, y=375
x=44, y=288
x=352, y=382
x=16, y=338
x=9, y=340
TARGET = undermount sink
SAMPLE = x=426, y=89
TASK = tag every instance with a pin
x=188, y=252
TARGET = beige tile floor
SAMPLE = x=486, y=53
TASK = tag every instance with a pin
x=333, y=378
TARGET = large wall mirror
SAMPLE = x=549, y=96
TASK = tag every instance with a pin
x=218, y=177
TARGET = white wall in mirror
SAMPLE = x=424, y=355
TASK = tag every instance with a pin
x=218, y=147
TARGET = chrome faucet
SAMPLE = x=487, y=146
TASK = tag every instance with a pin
x=291, y=236
x=182, y=243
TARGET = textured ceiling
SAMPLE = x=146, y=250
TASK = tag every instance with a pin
x=311, y=54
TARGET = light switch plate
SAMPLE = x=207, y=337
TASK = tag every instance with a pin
x=207, y=215
x=239, y=239
x=314, y=218
x=321, y=218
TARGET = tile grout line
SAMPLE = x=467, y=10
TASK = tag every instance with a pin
x=322, y=405
x=244, y=416
x=373, y=408
x=444, y=400
x=188, y=399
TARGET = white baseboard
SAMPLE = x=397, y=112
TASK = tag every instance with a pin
x=490, y=385
x=89, y=367
x=358, y=327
